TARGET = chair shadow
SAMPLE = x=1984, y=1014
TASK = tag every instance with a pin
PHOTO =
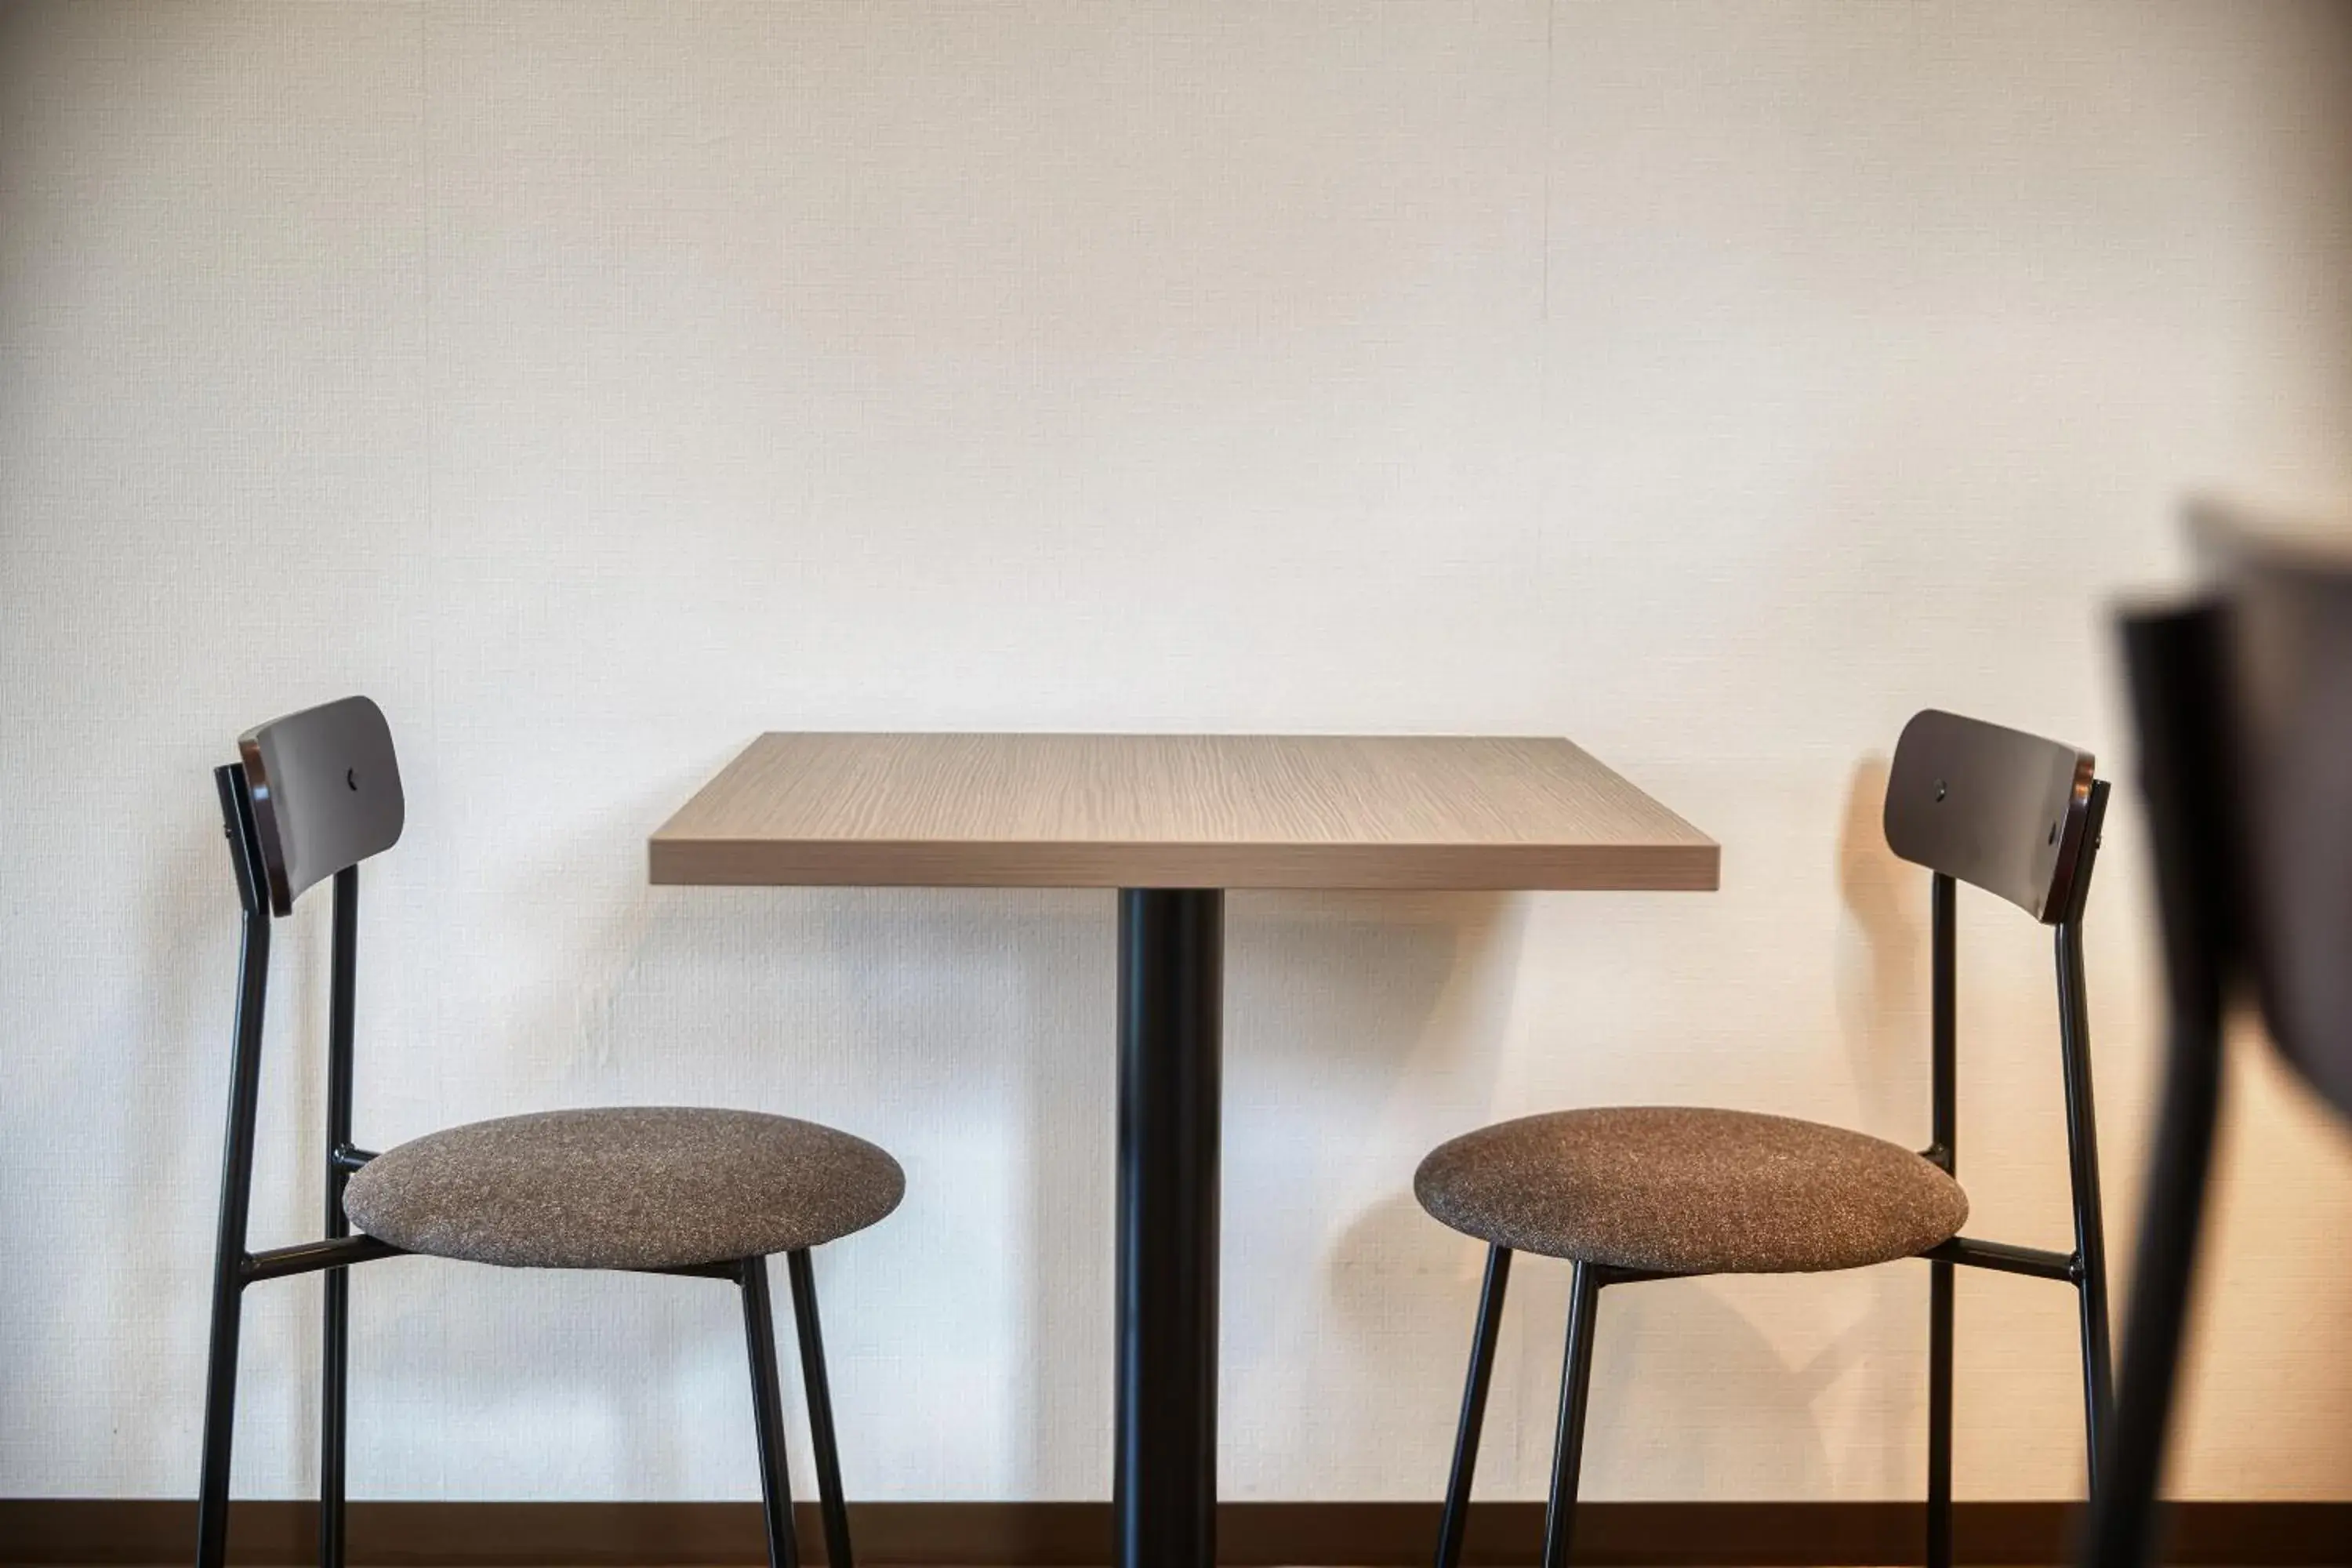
x=1652, y=1429
x=1382, y=1013
x=1881, y=949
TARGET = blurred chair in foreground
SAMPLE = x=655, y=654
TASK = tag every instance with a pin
x=2243, y=704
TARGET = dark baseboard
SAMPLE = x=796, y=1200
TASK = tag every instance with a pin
x=1077, y=1534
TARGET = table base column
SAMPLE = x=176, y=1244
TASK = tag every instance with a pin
x=1171, y=1038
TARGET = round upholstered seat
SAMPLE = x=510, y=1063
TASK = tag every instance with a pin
x=640, y=1188
x=1680, y=1190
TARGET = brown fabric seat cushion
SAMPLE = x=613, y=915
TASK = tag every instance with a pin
x=1679, y=1190
x=641, y=1187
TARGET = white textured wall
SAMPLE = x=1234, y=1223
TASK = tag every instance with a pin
x=598, y=386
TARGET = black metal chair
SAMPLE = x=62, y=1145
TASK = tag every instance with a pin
x=1630, y=1193
x=656, y=1189
x=2243, y=702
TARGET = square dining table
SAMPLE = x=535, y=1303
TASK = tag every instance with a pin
x=1173, y=822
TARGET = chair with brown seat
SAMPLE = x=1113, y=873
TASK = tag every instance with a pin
x=665, y=1190
x=1629, y=1194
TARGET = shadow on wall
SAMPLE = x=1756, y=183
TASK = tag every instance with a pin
x=1396, y=1007
x=1883, y=1014
x=1882, y=1005
x=968, y=1032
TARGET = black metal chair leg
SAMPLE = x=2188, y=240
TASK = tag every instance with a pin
x=335, y=1333
x=332, y=1384
x=1939, y=1416
x=2082, y=1153
x=220, y=1421
x=1457, y=1518
x=2098, y=1383
x=820, y=1408
x=1575, y=1387
x=768, y=1415
x=236, y=1190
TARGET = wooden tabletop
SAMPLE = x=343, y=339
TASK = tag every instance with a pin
x=1177, y=811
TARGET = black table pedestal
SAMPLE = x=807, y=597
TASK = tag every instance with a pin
x=1171, y=1008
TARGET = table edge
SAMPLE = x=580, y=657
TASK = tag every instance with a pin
x=1692, y=866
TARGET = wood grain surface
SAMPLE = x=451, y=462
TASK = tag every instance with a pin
x=1177, y=811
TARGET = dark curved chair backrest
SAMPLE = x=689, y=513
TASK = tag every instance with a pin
x=1996, y=808
x=2242, y=699
x=2288, y=694
x=325, y=792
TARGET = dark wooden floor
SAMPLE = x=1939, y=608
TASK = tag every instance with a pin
x=77, y=1532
